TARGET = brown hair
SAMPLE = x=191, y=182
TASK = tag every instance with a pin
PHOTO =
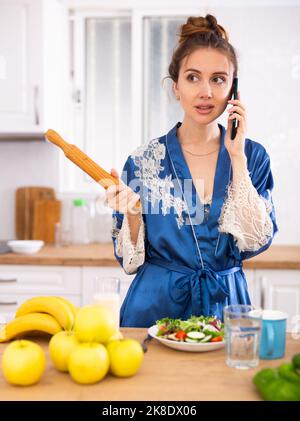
x=201, y=32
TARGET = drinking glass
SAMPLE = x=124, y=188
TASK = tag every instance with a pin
x=242, y=324
x=106, y=292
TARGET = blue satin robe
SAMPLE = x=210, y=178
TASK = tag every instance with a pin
x=189, y=271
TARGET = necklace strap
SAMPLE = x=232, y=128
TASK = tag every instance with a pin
x=209, y=153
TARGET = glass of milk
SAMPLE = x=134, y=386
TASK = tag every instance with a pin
x=106, y=292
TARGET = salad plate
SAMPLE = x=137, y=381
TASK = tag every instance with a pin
x=197, y=334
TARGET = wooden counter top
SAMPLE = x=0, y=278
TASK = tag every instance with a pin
x=81, y=255
x=165, y=374
x=276, y=257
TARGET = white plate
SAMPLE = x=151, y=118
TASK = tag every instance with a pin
x=185, y=346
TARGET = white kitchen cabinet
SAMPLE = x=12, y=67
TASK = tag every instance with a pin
x=18, y=279
x=33, y=73
x=18, y=283
x=20, y=65
x=9, y=303
x=280, y=290
x=90, y=273
x=253, y=287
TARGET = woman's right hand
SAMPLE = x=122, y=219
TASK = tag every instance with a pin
x=120, y=197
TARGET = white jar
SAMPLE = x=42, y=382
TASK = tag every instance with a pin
x=80, y=222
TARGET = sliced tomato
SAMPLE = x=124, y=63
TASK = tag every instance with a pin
x=163, y=329
x=181, y=335
x=217, y=339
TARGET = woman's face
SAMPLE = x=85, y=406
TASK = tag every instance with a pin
x=205, y=78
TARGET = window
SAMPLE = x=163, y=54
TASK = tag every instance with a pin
x=161, y=110
x=108, y=89
x=118, y=63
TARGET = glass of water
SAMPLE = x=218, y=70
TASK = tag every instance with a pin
x=242, y=335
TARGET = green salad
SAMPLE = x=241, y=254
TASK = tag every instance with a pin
x=197, y=329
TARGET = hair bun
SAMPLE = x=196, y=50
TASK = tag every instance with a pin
x=200, y=24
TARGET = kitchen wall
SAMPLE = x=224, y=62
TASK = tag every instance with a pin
x=23, y=163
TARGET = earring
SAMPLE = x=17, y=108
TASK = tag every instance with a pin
x=177, y=97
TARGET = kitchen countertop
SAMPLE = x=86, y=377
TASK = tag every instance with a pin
x=276, y=257
x=165, y=374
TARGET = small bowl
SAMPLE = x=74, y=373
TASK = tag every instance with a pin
x=25, y=246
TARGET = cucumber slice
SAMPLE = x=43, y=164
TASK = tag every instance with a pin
x=206, y=339
x=192, y=341
x=195, y=335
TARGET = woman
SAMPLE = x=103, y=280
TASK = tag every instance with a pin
x=206, y=199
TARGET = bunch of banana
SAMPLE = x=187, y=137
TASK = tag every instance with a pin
x=29, y=323
x=45, y=314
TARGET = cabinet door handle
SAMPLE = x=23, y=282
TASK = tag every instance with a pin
x=11, y=280
x=8, y=303
x=36, y=105
x=262, y=281
x=77, y=96
x=262, y=299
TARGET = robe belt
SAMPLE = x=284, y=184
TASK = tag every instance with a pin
x=203, y=286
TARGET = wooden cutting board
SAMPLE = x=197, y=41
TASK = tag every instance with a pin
x=24, y=207
x=45, y=215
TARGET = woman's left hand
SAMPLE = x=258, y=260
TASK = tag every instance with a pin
x=236, y=146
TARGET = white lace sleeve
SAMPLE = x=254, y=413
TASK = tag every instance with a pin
x=133, y=255
x=246, y=215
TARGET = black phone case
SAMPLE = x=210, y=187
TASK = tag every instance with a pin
x=234, y=121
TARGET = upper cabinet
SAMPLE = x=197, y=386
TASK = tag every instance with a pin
x=30, y=85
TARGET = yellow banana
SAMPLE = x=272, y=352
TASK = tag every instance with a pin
x=29, y=323
x=50, y=305
x=74, y=308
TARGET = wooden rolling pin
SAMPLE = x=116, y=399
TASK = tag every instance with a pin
x=74, y=154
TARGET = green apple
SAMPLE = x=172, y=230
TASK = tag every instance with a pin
x=126, y=356
x=94, y=323
x=60, y=347
x=23, y=362
x=88, y=363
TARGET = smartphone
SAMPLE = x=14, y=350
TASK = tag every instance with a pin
x=234, y=96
